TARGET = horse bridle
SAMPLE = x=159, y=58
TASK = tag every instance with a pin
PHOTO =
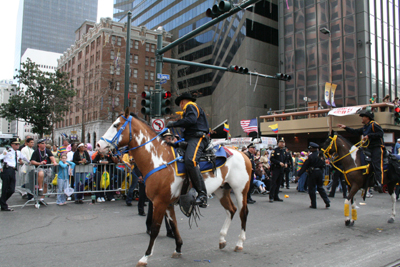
x=114, y=142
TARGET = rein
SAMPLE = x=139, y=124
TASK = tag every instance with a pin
x=357, y=146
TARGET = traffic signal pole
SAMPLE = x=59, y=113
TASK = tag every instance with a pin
x=127, y=61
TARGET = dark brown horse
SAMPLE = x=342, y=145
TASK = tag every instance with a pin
x=163, y=187
x=357, y=175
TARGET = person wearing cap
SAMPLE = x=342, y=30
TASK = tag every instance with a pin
x=278, y=165
x=372, y=100
x=315, y=165
x=397, y=147
x=251, y=150
x=40, y=157
x=195, y=124
x=10, y=158
x=81, y=157
x=301, y=185
x=372, y=135
x=63, y=149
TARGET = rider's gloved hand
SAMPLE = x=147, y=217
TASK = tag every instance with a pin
x=170, y=124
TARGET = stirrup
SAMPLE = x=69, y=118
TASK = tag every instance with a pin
x=201, y=201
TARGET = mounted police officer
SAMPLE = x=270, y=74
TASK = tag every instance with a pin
x=195, y=124
x=11, y=159
x=372, y=134
x=315, y=165
x=278, y=165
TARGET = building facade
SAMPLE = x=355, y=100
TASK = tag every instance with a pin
x=249, y=39
x=49, y=25
x=96, y=64
x=5, y=92
x=353, y=43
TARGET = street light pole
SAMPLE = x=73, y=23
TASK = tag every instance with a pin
x=325, y=30
x=127, y=60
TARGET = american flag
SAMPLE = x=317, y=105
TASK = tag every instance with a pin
x=249, y=125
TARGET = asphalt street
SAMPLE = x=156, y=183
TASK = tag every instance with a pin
x=278, y=234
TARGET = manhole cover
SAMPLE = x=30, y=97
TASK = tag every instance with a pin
x=82, y=217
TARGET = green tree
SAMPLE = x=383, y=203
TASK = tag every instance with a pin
x=41, y=98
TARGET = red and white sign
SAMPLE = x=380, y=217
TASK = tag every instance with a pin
x=158, y=124
x=344, y=111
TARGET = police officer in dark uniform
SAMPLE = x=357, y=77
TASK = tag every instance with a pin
x=315, y=165
x=289, y=162
x=372, y=134
x=10, y=159
x=278, y=165
x=195, y=124
x=251, y=150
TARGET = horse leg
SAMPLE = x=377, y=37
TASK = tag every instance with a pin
x=353, y=213
x=225, y=199
x=392, y=194
x=244, y=211
x=174, y=226
x=158, y=216
x=353, y=191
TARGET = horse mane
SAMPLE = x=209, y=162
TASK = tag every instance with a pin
x=345, y=140
x=142, y=121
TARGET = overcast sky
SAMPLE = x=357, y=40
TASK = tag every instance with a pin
x=8, y=20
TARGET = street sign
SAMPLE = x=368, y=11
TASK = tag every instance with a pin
x=158, y=124
x=162, y=76
x=162, y=81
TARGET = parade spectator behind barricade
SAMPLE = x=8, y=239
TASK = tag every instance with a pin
x=41, y=157
x=89, y=149
x=397, y=147
x=262, y=180
x=103, y=166
x=244, y=149
x=373, y=99
x=63, y=148
x=81, y=157
x=63, y=179
x=55, y=153
x=386, y=99
x=257, y=156
x=129, y=161
x=303, y=177
x=27, y=151
x=251, y=150
x=25, y=143
x=396, y=101
x=70, y=150
x=264, y=159
x=11, y=159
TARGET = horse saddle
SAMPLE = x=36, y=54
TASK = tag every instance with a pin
x=209, y=160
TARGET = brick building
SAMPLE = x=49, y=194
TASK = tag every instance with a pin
x=96, y=64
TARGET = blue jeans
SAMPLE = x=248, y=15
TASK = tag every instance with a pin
x=61, y=185
x=134, y=183
x=302, y=181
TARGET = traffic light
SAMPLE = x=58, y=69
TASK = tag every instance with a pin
x=165, y=102
x=218, y=10
x=238, y=69
x=397, y=115
x=283, y=77
x=146, y=103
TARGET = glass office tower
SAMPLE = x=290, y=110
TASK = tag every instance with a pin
x=50, y=25
x=360, y=54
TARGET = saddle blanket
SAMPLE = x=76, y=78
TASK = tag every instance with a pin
x=221, y=155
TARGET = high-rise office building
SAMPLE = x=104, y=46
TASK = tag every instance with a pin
x=354, y=44
x=248, y=38
x=49, y=25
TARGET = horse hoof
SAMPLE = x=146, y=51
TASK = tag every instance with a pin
x=391, y=220
x=141, y=264
x=238, y=249
x=176, y=255
x=351, y=223
x=222, y=245
x=347, y=223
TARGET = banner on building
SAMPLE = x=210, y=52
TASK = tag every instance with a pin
x=327, y=93
x=344, y=111
x=333, y=90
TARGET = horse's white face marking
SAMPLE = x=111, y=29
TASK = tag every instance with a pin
x=109, y=135
x=353, y=154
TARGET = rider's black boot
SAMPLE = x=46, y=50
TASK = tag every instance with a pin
x=378, y=185
x=199, y=185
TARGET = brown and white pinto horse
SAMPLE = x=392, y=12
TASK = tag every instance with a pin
x=356, y=174
x=163, y=187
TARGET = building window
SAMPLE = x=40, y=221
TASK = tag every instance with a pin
x=136, y=44
x=153, y=48
x=80, y=55
x=147, y=61
x=135, y=88
x=131, y=44
x=113, y=38
x=152, y=76
x=152, y=62
x=98, y=41
x=146, y=75
x=136, y=59
x=147, y=47
x=151, y=88
x=146, y=88
x=130, y=58
x=112, y=55
x=111, y=69
x=119, y=41
x=118, y=70
x=73, y=60
x=117, y=86
x=78, y=81
x=135, y=73
x=86, y=50
x=92, y=45
x=76, y=119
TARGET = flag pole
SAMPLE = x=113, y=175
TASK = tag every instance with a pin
x=257, y=129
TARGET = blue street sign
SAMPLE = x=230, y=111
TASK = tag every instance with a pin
x=162, y=81
x=162, y=76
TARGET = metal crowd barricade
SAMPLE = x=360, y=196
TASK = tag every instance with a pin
x=86, y=179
